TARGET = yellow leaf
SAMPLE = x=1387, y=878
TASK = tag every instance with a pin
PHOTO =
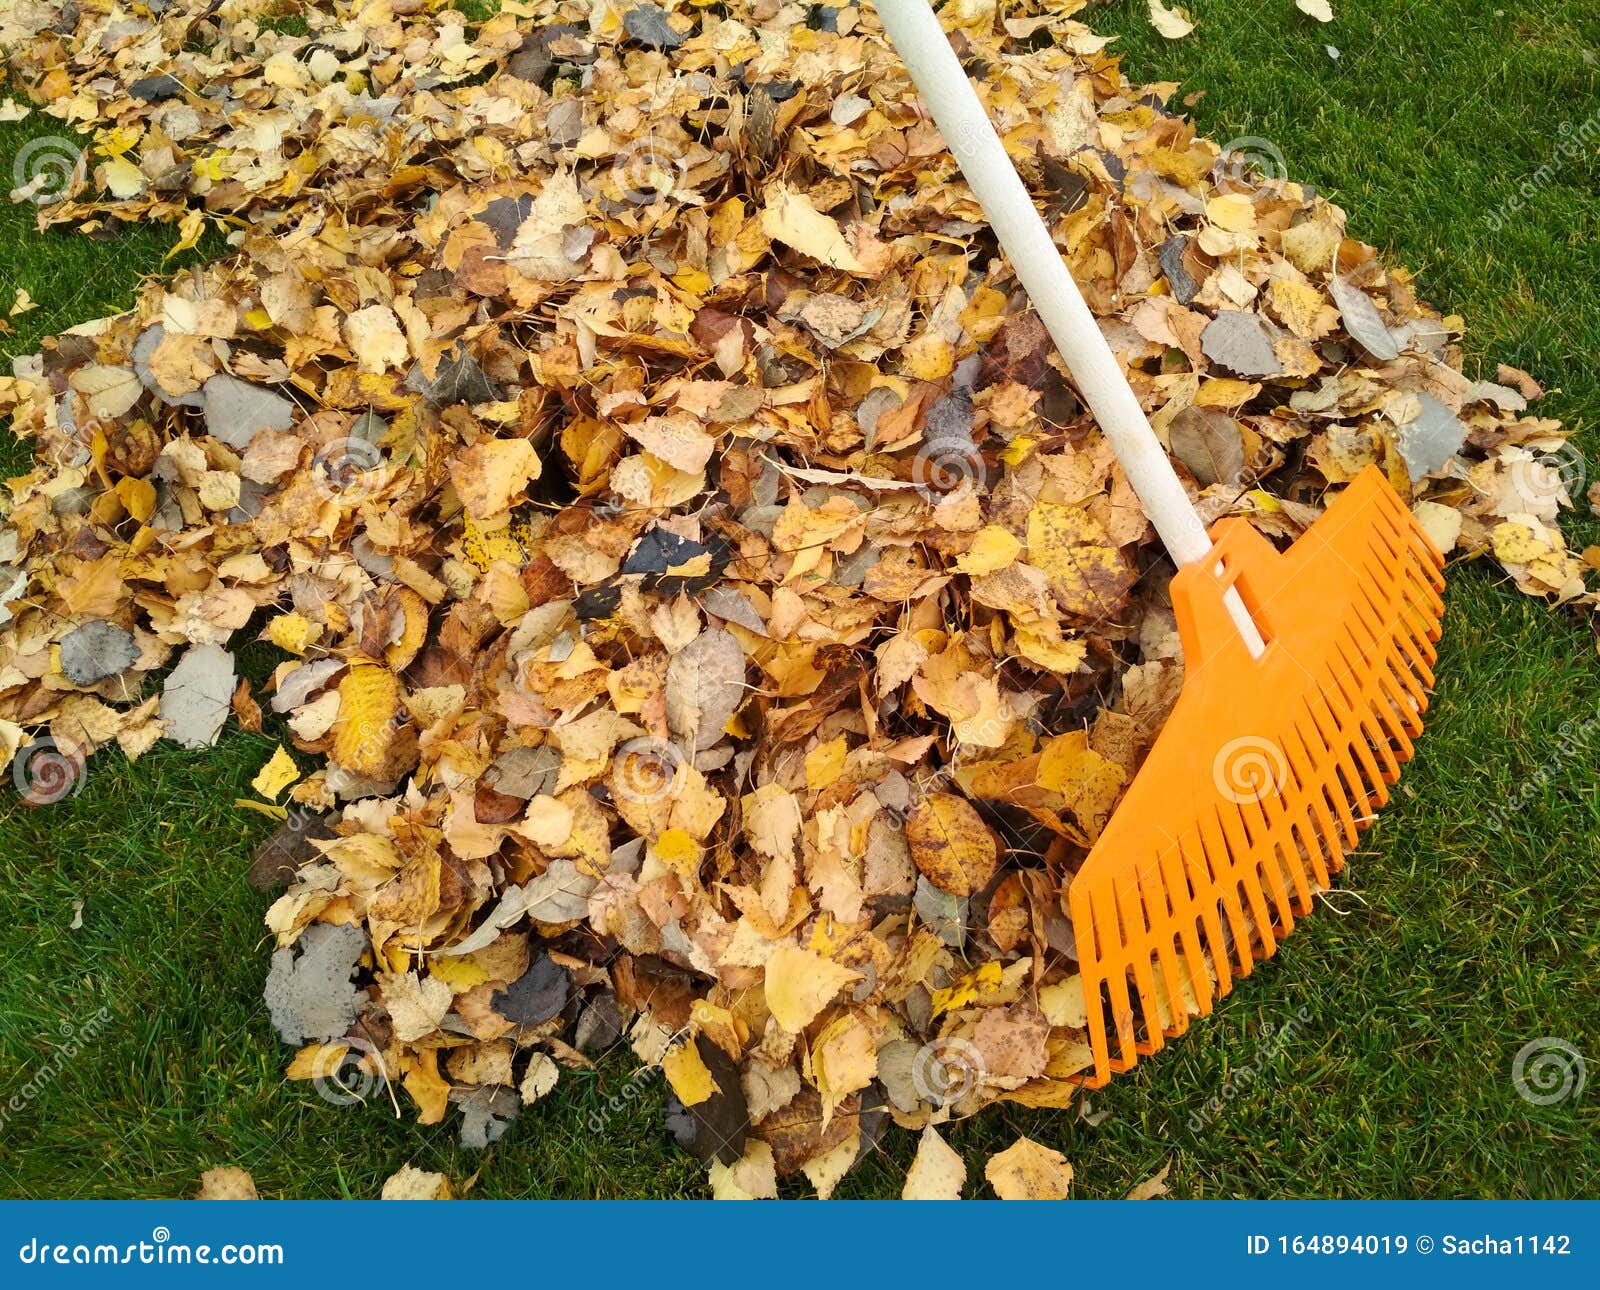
x=1085, y=568
x=117, y=140
x=1050, y=651
x=929, y=357
x=1225, y=392
x=790, y=218
x=993, y=548
x=369, y=697
x=752, y=1177
x=211, y=167
x=1520, y=541
x=412, y=1183
x=1063, y=1005
x=843, y=1060
x=966, y=989
x=1016, y=452
x=374, y=337
x=937, y=1173
x=825, y=762
x=1088, y=781
x=261, y=808
x=316, y=1060
x=677, y=849
x=279, y=772
x=459, y=973
x=491, y=475
x=800, y=984
x=1233, y=212
x=293, y=632
x=1027, y=1171
x=1304, y=309
x=1174, y=23
x=951, y=844
x=190, y=227
x=138, y=497
x=428, y=1089
x=688, y=1075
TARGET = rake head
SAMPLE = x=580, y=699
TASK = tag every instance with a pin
x=1266, y=771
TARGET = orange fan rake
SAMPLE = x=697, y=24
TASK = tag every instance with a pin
x=1307, y=672
x=1267, y=769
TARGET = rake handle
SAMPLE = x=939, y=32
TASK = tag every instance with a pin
x=920, y=41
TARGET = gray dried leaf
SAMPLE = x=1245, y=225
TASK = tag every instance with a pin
x=1209, y=443
x=560, y=894
x=734, y=607
x=98, y=650
x=235, y=410
x=486, y=1114
x=1429, y=440
x=1362, y=320
x=525, y=772
x=1184, y=287
x=945, y=915
x=196, y=696
x=537, y=995
x=297, y=687
x=705, y=685
x=152, y=89
x=600, y=1024
x=896, y=1066
x=457, y=379
x=1239, y=342
x=949, y=420
x=309, y=996
x=649, y=26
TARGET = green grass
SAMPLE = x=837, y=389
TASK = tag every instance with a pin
x=1452, y=945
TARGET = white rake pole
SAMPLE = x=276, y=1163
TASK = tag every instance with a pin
x=922, y=46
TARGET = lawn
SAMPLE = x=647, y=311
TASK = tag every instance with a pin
x=1372, y=1057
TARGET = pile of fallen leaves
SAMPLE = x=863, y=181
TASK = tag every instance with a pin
x=709, y=618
